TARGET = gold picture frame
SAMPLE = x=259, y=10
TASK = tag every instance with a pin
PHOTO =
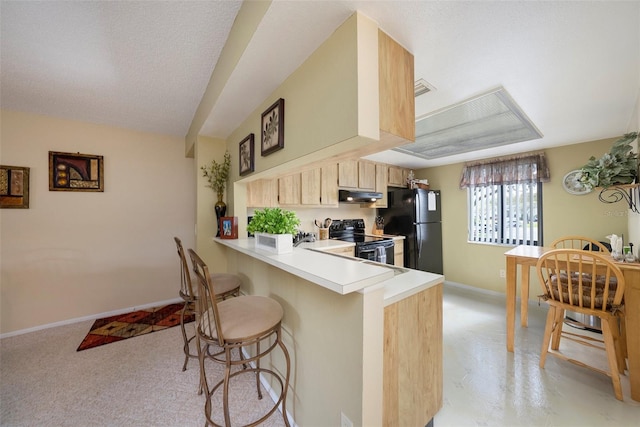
x=14, y=187
x=75, y=172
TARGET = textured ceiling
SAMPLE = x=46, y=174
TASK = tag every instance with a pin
x=132, y=64
x=573, y=67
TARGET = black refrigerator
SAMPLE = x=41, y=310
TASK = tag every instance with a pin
x=416, y=214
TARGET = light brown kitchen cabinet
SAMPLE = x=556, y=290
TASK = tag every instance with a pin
x=398, y=176
x=382, y=172
x=348, y=174
x=412, y=380
x=310, y=186
x=357, y=174
x=290, y=190
x=366, y=175
x=262, y=193
x=314, y=187
x=398, y=251
x=329, y=185
x=344, y=250
x=397, y=98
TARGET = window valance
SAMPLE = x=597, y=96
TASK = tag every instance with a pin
x=524, y=168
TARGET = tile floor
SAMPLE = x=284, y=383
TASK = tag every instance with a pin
x=484, y=385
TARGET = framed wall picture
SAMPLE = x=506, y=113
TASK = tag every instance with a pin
x=75, y=172
x=14, y=187
x=229, y=227
x=246, y=155
x=272, y=128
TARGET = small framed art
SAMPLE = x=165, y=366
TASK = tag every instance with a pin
x=229, y=227
x=14, y=187
x=246, y=155
x=272, y=128
x=75, y=172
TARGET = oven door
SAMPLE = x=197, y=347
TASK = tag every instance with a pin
x=368, y=251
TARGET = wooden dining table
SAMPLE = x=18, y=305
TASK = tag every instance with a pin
x=527, y=256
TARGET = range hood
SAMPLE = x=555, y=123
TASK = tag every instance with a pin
x=347, y=196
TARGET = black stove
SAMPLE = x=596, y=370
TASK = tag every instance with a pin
x=373, y=248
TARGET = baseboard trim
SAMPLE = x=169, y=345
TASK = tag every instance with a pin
x=91, y=317
x=272, y=394
x=489, y=292
x=474, y=289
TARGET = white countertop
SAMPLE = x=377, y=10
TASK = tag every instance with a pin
x=339, y=273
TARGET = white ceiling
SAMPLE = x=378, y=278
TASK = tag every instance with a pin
x=573, y=67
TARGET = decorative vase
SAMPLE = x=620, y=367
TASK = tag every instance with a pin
x=221, y=210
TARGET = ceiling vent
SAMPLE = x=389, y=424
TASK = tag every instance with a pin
x=421, y=87
x=489, y=120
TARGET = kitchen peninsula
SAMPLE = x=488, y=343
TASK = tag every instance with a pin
x=365, y=338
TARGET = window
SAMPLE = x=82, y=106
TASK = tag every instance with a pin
x=505, y=214
x=505, y=199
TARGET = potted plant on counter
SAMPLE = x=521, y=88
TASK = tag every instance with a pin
x=274, y=229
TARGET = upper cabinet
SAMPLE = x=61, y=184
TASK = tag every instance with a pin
x=382, y=173
x=318, y=187
x=290, y=190
x=357, y=174
x=397, y=176
x=396, y=91
x=329, y=185
x=310, y=188
x=262, y=193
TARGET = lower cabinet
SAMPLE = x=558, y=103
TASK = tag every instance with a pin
x=412, y=369
x=348, y=250
x=398, y=251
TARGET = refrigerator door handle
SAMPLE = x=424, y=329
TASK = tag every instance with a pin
x=419, y=239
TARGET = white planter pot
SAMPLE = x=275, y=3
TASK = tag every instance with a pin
x=276, y=243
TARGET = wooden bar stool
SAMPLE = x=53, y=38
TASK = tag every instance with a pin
x=589, y=283
x=230, y=325
x=225, y=284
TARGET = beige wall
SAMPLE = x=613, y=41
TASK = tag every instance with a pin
x=334, y=341
x=324, y=102
x=76, y=254
x=206, y=198
x=479, y=265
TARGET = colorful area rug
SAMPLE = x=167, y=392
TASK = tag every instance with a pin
x=129, y=325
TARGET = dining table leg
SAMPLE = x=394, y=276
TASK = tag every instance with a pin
x=524, y=295
x=511, y=274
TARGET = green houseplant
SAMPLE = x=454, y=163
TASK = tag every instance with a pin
x=274, y=229
x=618, y=166
x=217, y=175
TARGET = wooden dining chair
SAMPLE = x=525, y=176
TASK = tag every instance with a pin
x=225, y=284
x=588, y=283
x=227, y=327
x=579, y=242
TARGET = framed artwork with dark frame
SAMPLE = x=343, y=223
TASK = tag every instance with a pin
x=247, y=164
x=14, y=187
x=229, y=227
x=272, y=128
x=75, y=172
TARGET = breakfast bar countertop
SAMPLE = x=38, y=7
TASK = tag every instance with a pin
x=339, y=273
